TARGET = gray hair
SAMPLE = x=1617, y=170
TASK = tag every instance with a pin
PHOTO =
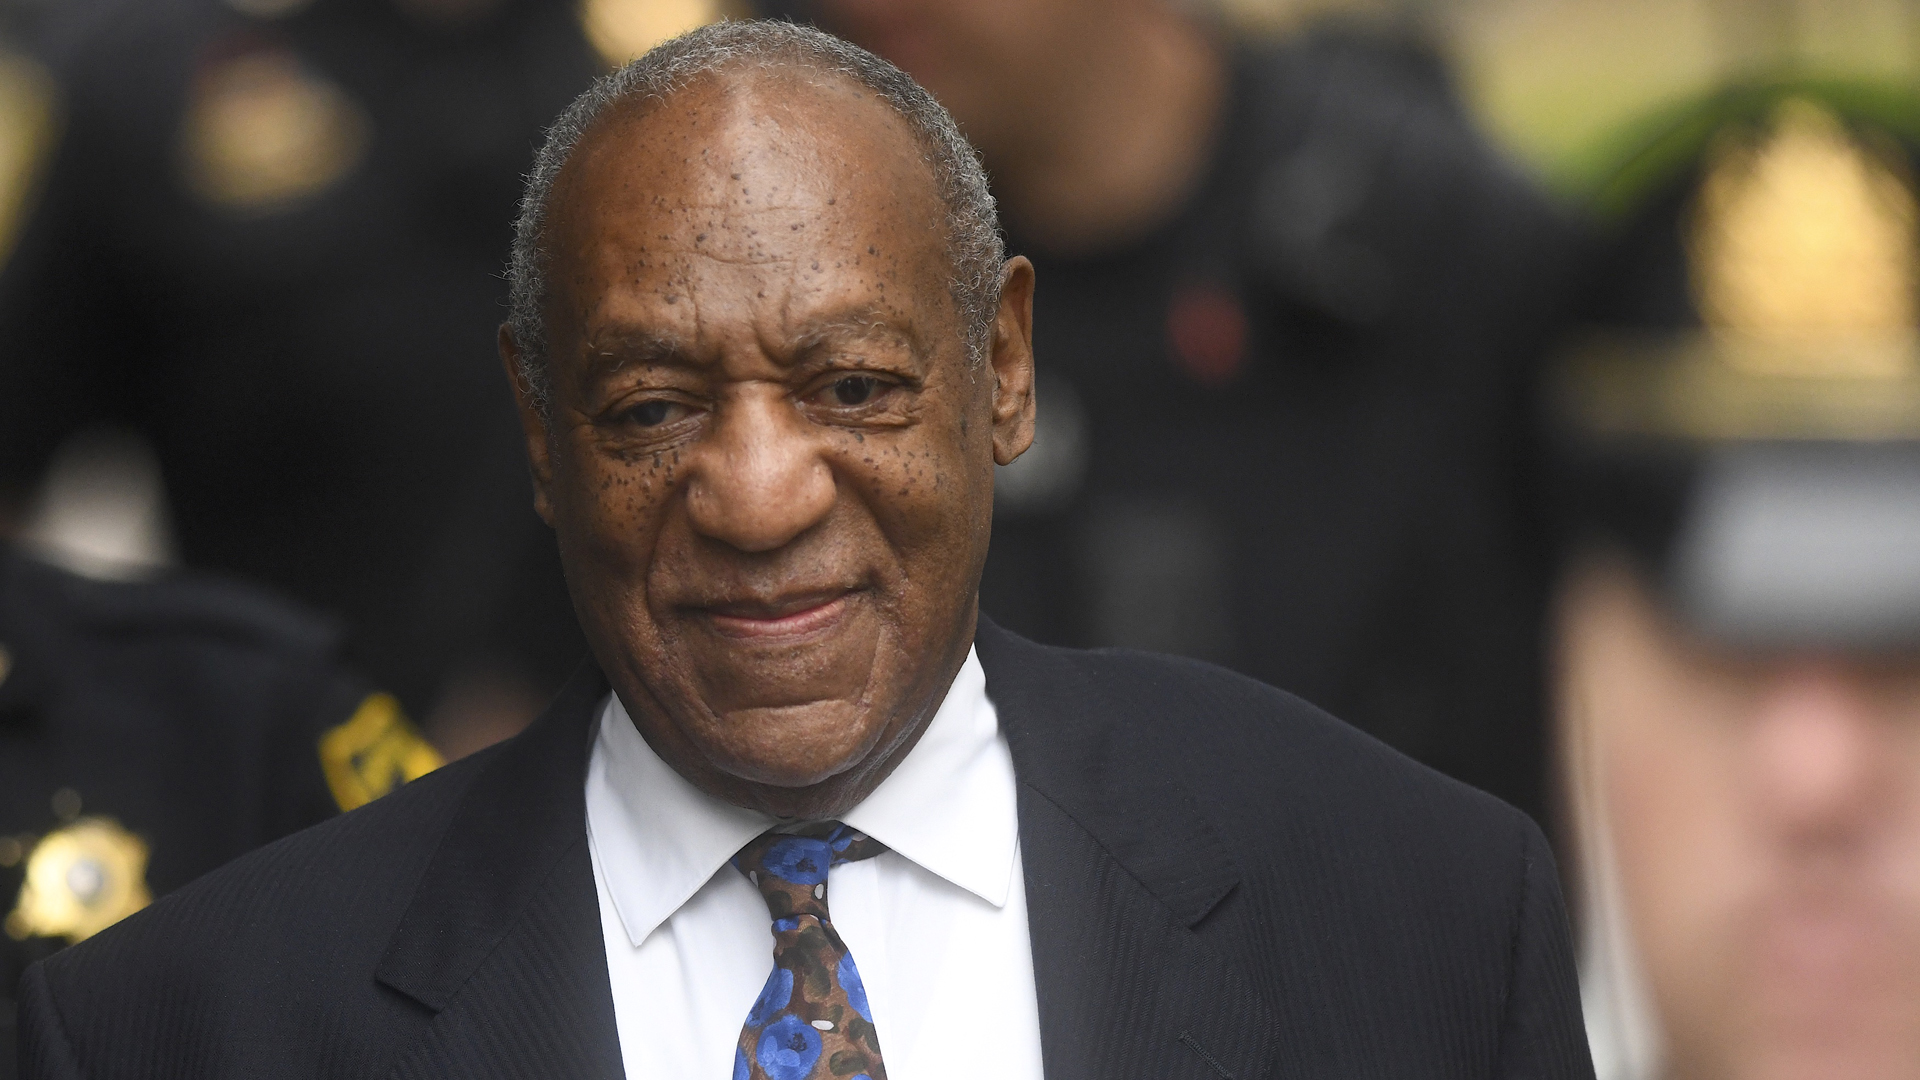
x=974, y=245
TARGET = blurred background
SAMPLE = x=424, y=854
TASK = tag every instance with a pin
x=1532, y=383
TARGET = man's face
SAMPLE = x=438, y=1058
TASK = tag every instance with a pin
x=768, y=457
x=1765, y=814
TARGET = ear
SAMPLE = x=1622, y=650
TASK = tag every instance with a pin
x=532, y=425
x=1012, y=361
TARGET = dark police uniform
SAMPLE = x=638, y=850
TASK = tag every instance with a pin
x=271, y=238
x=1287, y=430
x=150, y=732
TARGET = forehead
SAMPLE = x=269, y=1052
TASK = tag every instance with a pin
x=757, y=193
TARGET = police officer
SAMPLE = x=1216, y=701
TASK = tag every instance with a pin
x=150, y=732
x=1737, y=463
x=270, y=239
x=1288, y=307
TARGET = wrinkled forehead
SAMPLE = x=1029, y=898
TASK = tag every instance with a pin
x=822, y=125
x=769, y=171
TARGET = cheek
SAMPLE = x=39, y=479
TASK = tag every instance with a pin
x=1655, y=748
x=609, y=506
x=1675, y=818
x=1691, y=868
x=923, y=490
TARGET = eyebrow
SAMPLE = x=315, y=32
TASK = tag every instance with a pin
x=862, y=324
x=620, y=348
x=614, y=350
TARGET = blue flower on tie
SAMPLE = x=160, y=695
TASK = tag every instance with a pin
x=856, y=990
x=783, y=925
x=740, y=1069
x=788, y=1048
x=841, y=838
x=773, y=997
x=799, y=859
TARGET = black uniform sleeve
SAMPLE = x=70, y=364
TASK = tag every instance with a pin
x=1543, y=1035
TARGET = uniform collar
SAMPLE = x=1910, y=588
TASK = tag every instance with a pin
x=950, y=808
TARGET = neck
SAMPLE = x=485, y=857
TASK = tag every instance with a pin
x=1124, y=134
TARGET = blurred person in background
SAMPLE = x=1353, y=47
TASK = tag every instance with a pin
x=151, y=731
x=269, y=239
x=1738, y=462
x=1293, y=302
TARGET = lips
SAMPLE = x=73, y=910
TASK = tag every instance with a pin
x=790, y=616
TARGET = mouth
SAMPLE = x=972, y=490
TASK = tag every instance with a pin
x=793, y=616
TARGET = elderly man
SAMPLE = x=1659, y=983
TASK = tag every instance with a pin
x=806, y=815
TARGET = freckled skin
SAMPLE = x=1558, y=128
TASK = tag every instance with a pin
x=764, y=457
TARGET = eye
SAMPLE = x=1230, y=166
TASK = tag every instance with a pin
x=855, y=389
x=654, y=413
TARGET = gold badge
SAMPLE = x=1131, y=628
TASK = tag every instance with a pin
x=375, y=751
x=265, y=131
x=1803, y=247
x=1806, y=250
x=80, y=880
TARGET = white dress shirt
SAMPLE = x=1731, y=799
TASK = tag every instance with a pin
x=937, y=925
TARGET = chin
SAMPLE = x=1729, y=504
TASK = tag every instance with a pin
x=1830, y=1060
x=826, y=667
x=797, y=746
x=1836, y=993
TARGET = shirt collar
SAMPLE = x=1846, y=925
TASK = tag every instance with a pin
x=949, y=807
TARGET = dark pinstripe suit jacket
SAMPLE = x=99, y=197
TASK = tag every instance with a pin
x=1222, y=882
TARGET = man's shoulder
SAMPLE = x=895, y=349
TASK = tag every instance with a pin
x=1423, y=190
x=1318, y=815
x=1386, y=65
x=1306, y=846
x=1248, y=747
x=1354, y=94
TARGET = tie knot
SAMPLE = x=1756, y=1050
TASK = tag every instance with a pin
x=790, y=867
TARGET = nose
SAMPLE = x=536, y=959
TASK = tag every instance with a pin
x=1818, y=754
x=758, y=479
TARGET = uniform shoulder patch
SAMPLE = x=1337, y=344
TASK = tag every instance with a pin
x=376, y=750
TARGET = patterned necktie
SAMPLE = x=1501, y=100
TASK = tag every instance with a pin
x=812, y=1019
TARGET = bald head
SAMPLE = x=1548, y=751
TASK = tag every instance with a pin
x=967, y=221
x=788, y=202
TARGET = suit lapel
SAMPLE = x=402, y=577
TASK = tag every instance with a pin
x=1120, y=867
x=502, y=940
